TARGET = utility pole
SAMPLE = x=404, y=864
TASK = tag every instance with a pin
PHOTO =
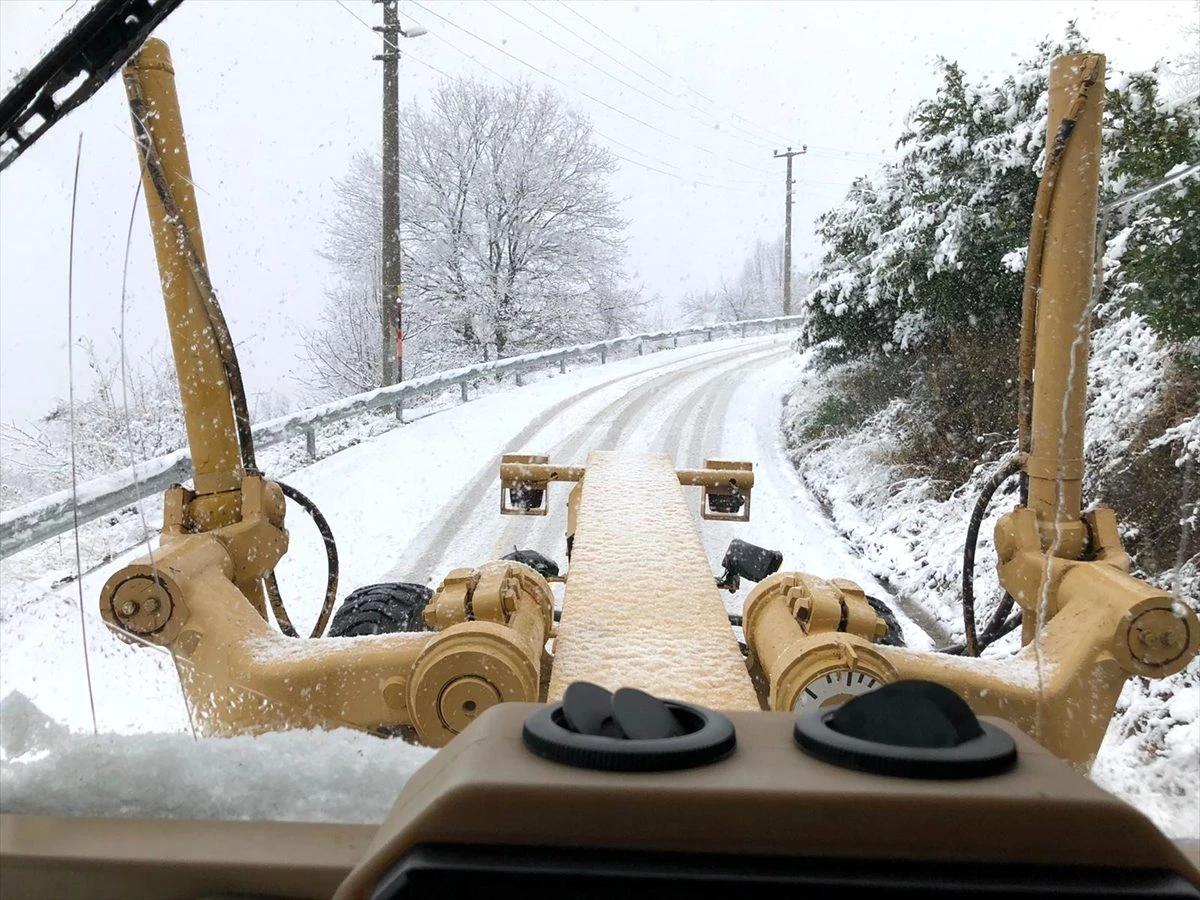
x=390, y=285
x=787, y=229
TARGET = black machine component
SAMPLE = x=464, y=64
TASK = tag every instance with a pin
x=543, y=565
x=105, y=38
x=525, y=497
x=726, y=504
x=627, y=731
x=743, y=560
x=387, y=608
x=445, y=870
x=895, y=633
x=911, y=729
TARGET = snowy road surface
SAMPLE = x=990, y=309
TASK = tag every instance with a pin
x=418, y=501
x=423, y=499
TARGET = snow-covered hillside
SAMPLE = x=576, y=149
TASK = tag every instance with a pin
x=908, y=536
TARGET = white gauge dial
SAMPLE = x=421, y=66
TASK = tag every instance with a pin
x=833, y=689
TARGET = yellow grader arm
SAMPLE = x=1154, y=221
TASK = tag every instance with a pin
x=811, y=643
x=662, y=628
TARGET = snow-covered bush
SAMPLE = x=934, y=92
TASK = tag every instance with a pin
x=933, y=244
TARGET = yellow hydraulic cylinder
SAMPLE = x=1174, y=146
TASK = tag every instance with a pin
x=204, y=390
x=1055, y=464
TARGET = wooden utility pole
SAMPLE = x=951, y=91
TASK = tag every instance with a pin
x=390, y=285
x=787, y=229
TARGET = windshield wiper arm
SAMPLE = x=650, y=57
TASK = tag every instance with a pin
x=97, y=47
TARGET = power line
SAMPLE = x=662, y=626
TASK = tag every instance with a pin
x=658, y=68
x=700, y=147
x=475, y=60
x=543, y=73
x=767, y=135
x=706, y=113
x=546, y=37
x=731, y=181
x=575, y=12
x=754, y=139
x=601, y=50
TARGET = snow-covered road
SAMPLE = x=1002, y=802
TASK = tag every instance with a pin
x=420, y=500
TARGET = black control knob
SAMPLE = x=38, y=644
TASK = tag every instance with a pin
x=911, y=729
x=627, y=731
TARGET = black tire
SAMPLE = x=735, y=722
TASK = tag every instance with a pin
x=895, y=634
x=388, y=608
x=545, y=567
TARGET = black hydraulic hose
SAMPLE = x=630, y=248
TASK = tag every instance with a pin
x=1001, y=630
x=1014, y=465
x=998, y=625
x=277, y=607
x=331, y=559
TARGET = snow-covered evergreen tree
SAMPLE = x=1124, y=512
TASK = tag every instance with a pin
x=934, y=243
x=931, y=243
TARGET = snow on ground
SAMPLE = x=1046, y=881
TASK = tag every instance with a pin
x=388, y=500
x=903, y=535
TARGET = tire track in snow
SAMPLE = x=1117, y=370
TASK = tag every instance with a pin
x=549, y=531
x=473, y=509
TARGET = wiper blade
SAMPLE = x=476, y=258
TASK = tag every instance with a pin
x=105, y=38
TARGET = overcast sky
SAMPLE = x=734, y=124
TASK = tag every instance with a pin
x=278, y=96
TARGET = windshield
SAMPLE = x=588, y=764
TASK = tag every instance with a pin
x=794, y=234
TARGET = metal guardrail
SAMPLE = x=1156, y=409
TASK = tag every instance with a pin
x=41, y=519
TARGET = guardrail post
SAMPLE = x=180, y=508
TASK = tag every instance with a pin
x=708, y=335
x=639, y=348
x=777, y=328
x=562, y=365
x=310, y=442
x=462, y=389
x=743, y=329
x=675, y=342
x=520, y=381
x=603, y=355
x=400, y=411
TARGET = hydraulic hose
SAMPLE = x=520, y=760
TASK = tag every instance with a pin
x=331, y=570
x=1011, y=467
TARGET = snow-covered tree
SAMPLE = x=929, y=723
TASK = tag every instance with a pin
x=925, y=247
x=117, y=422
x=511, y=238
x=1154, y=244
x=755, y=293
x=933, y=244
